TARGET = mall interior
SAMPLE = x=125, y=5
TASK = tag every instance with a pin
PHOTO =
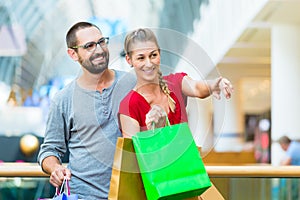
x=252, y=43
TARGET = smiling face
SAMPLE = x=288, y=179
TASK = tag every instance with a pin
x=95, y=61
x=145, y=58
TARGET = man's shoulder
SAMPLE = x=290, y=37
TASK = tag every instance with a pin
x=126, y=80
x=295, y=144
x=125, y=75
x=293, y=149
x=65, y=92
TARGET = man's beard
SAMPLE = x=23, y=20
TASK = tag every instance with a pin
x=92, y=68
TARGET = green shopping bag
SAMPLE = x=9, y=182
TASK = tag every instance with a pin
x=170, y=163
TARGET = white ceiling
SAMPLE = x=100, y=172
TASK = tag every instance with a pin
x=248, y=61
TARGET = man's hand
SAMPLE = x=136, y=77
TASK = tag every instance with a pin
x=56, y=170
x=58, y=175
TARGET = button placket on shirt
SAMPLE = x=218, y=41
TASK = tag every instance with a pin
x=104, y=103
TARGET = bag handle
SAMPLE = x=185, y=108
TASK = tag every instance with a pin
x=64, y=185
x=167, y=122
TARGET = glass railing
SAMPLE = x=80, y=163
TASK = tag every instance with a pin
x=258, y=188
x=24, y=181
x=20, y=181
x=260, y=182
x=25, y=188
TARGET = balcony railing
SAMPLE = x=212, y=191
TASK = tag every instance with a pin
x=260, y=171
x=234, y=182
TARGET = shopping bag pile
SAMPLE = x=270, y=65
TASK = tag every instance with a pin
x=163, y=163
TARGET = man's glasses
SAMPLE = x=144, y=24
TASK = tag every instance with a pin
x=91, y=46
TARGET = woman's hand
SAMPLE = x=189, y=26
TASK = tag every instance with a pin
x=221, y=85
x=156, y=115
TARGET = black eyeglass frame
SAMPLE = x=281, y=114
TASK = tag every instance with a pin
x=90, y=45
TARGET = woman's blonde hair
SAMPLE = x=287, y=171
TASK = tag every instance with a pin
x=145, y=35
x=139, y=35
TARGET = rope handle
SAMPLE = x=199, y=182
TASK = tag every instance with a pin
x=65, y=185
x=167, y=122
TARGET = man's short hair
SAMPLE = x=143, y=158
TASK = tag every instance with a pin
x=71, y=38
x=284, y=140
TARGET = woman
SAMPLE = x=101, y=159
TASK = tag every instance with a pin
x=154, y=95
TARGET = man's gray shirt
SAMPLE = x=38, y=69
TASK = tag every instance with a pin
x=86, y=122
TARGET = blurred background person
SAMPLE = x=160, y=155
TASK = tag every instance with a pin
x=292, y=149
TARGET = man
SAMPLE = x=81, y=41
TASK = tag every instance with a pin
x=83, y=117
x=292, y=149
